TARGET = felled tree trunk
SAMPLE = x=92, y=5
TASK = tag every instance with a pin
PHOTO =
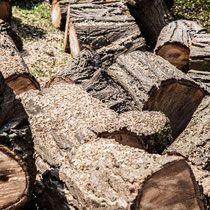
x=200, y=52
x=5, y=10
x=13, y=68
x=194, y=142
x=154, y=84
x=151, y=16
x=175, y=44
x=5, y=28
x=103, y=174
x=17, y=165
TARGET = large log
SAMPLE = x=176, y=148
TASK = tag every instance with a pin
x=17, y=165
x=6, y=28
x=13, y=67
x=103, y=174
x=151, y=16
x=5, y=10
x=184, y=43
x=194, y=142
x=154, y=84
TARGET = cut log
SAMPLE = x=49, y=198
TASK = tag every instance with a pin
x=151, y=16
x=17, y=165
x=103, y=174
x=200, y=76
x=13, y=67
x=154, y=84
x=200, y=52
x=88, y=118
x=5, y=10
x=5, y=28
x=174, y=42
x=194, y=142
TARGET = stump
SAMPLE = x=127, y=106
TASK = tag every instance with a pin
x=5, y=10
x=13, y=67
x=175, y=44
x=17, y=165
x=106, y=175
x=194, y=143
x=5, y=28
x=154, y=84
x=151, y=16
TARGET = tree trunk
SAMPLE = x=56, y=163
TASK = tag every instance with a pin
x=5, y=28
x=194, y=142
x=200, y=76
x=200, y=52
x=103, y=174
x=13, y=68
x=175, y=40
x=17, y=165
x=151, y=16
x=5, y=10
x=154, y=84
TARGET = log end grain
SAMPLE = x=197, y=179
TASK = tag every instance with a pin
x=5, y=10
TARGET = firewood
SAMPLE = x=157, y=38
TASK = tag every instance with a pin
x=103, y=174
x=151, y=16
x=6, y=28
x=5, y=10
x=182, y=42
x=194, y=142
x=17, y=165
x=13, y=67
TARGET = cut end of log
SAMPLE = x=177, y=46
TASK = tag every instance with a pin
x=21, y=84
x=5, y=10
x=172, y=187
x=177, y=55
x=56, y=14
x=13, y=181
x=178, y=101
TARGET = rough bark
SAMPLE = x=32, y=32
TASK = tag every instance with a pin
x=200, y=76
x=200, y=52
x=5, y=10
x=154, y=84
x=17, y=165
x=175, y=40
x=103, y=174
x=5, y=28
x=194, y=142
x=13, y=67
x=151, y=16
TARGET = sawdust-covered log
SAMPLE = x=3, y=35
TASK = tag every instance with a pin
x=6, y=28
x=200, y=52
x=155, y=84
x=5, y=10
x=175, y=43
x=17, y=166
x=103, y=174
x=13, y=67
x=151, y=16
x=107, y=27
x=194, y=142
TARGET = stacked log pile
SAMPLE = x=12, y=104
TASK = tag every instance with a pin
x=117, y=128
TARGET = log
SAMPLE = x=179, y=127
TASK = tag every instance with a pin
x=17, y=165
x=103, y=174
x=6, y=28
x=200, y=76
x=151, y=16
x=5, y=10
x=194, y=142
x=175, y=43
x=13, y=67
x=154, y=84
x=200, y=52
